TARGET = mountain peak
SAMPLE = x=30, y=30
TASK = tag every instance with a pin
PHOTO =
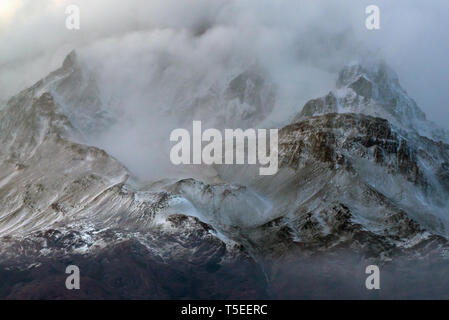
x=373, y=88
x=70, y=61
x=377, y=72
x=375, y=80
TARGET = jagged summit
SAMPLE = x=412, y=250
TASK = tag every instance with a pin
x=347, y=182
x=70, y=61
x=373, y=88
x=377, y=72
x=75, y=91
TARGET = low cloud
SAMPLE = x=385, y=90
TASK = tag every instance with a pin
x=149, y=55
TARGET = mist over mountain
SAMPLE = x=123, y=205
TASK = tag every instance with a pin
x=291, y=39
x=86, y=178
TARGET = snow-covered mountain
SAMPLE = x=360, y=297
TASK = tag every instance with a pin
x=363, y=177
x=373, y=88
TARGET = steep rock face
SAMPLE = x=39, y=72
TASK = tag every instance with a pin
x=239, y=99
x=357, y=184
x=44, y=176
x=366, y=137
x=63, y=202
x=374, y=89
x=164, y=264
x=251, y=89
x=77, y=92
x=243, y=101
x=347, y=179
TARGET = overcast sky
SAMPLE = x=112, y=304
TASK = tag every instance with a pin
x=286, y=36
